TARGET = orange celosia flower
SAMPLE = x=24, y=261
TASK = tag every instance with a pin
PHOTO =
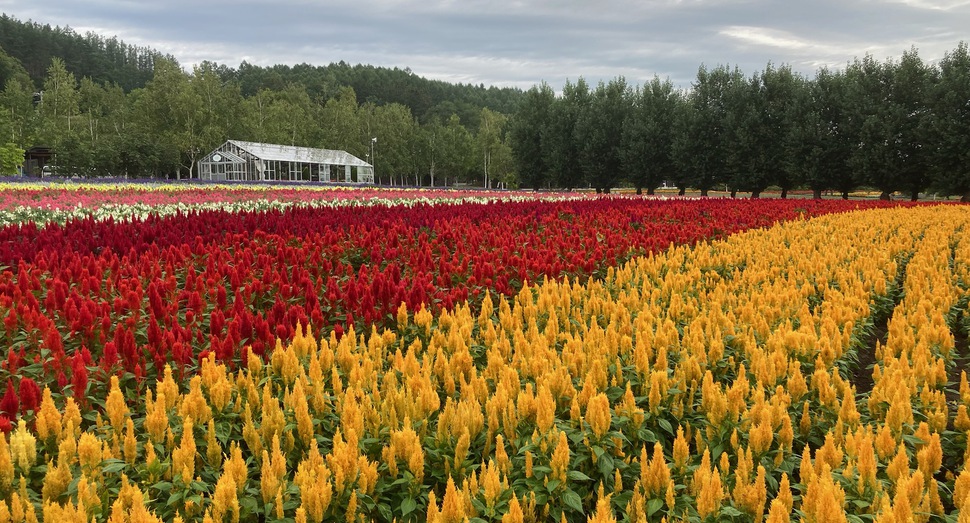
x=598, y=414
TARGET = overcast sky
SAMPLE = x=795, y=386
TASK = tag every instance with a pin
x=521, y=43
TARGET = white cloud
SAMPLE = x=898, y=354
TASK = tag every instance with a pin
x=519, y=42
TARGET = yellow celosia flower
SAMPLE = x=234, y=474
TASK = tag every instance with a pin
x=131, y=444
x=115, y=406
x=213, y=451
x=224, y=500
x=71, y=420
x=183, y=457
x=89, y=452
x=710, y=493
x=824, y=499
x=461, y=450
x=603, y=513
x=681, y=450
x=560, y=458
x=194, y=404
x=491, y=484
x=452, y=506
x=56, y=481
x=48, y=419
x=514, y=513
x=598, y=415
x=6, y=467
x=23, y=447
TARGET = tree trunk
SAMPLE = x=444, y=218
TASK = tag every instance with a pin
x=606, y=190
x=885, y=196
x=639, y=191
x=599, y=190
x=914, y=196
x=682, y=191
x=784, y=193
x=966, y=197
x=704, y=193
x=734, y=193
x=845, y=195
x=650, y=191
x=755, y=194
x=817, y=194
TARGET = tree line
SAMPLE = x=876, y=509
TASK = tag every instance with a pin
x=110, y=60
x=103, y=60
x=164, y=128
x=900, y=125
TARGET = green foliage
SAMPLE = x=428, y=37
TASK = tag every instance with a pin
x=11, y=157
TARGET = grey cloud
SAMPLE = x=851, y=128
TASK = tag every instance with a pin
x=520, y=43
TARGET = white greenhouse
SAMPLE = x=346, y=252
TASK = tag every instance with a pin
x=250, y=161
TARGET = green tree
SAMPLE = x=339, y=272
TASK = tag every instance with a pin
x=16, y=101
x=912, y=83
x=341, y=126
x=525, y=130
x=600, y=130
x=560, y=143
x=489, y=140
x=169, y=111
x=700, y=141
x=394, y=151
x=58, y=109
x=949, y=125
x=457, y=152
x=284, y=117
x=11, y=158
x=820, y=143
x=873, y=124
x=648, y=135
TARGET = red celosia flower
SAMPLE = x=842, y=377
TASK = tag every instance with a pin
x=10, y=404
x=29, y=395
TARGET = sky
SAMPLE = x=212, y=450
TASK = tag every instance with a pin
x=520, y=43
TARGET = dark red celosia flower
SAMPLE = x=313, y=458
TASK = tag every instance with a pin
x=29, y=395
x=10, y=404
x=5, y=425
x=79, y=375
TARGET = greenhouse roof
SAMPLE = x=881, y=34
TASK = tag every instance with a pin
x=290, y=153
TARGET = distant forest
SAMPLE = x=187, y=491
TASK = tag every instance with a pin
x=109, y=60
x=110, y=109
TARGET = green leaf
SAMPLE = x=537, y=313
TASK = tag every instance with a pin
x=408, y=506
x=730, y=511
x=113, y=466
x=173, y=499
x=552, y=484
x=653, y=506
x=605, y=465
x=576, y=475
x=249, y=505
x=164, y=486
x=573, y=501
x=385, y=511
x=664, y=424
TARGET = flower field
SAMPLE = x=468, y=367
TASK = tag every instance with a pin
x=579, y=359
x=40, y=203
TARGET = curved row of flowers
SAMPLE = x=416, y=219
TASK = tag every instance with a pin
x=697, y=384
x=105, y=297
x=45, y=204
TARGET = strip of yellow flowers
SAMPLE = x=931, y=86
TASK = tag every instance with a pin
x=729, y=381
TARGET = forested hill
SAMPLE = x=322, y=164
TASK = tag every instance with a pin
x=103, y=60
x=380, y=85
x=110, y=60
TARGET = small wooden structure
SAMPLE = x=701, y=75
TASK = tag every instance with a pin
x=36, y=158
x=250, y=161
